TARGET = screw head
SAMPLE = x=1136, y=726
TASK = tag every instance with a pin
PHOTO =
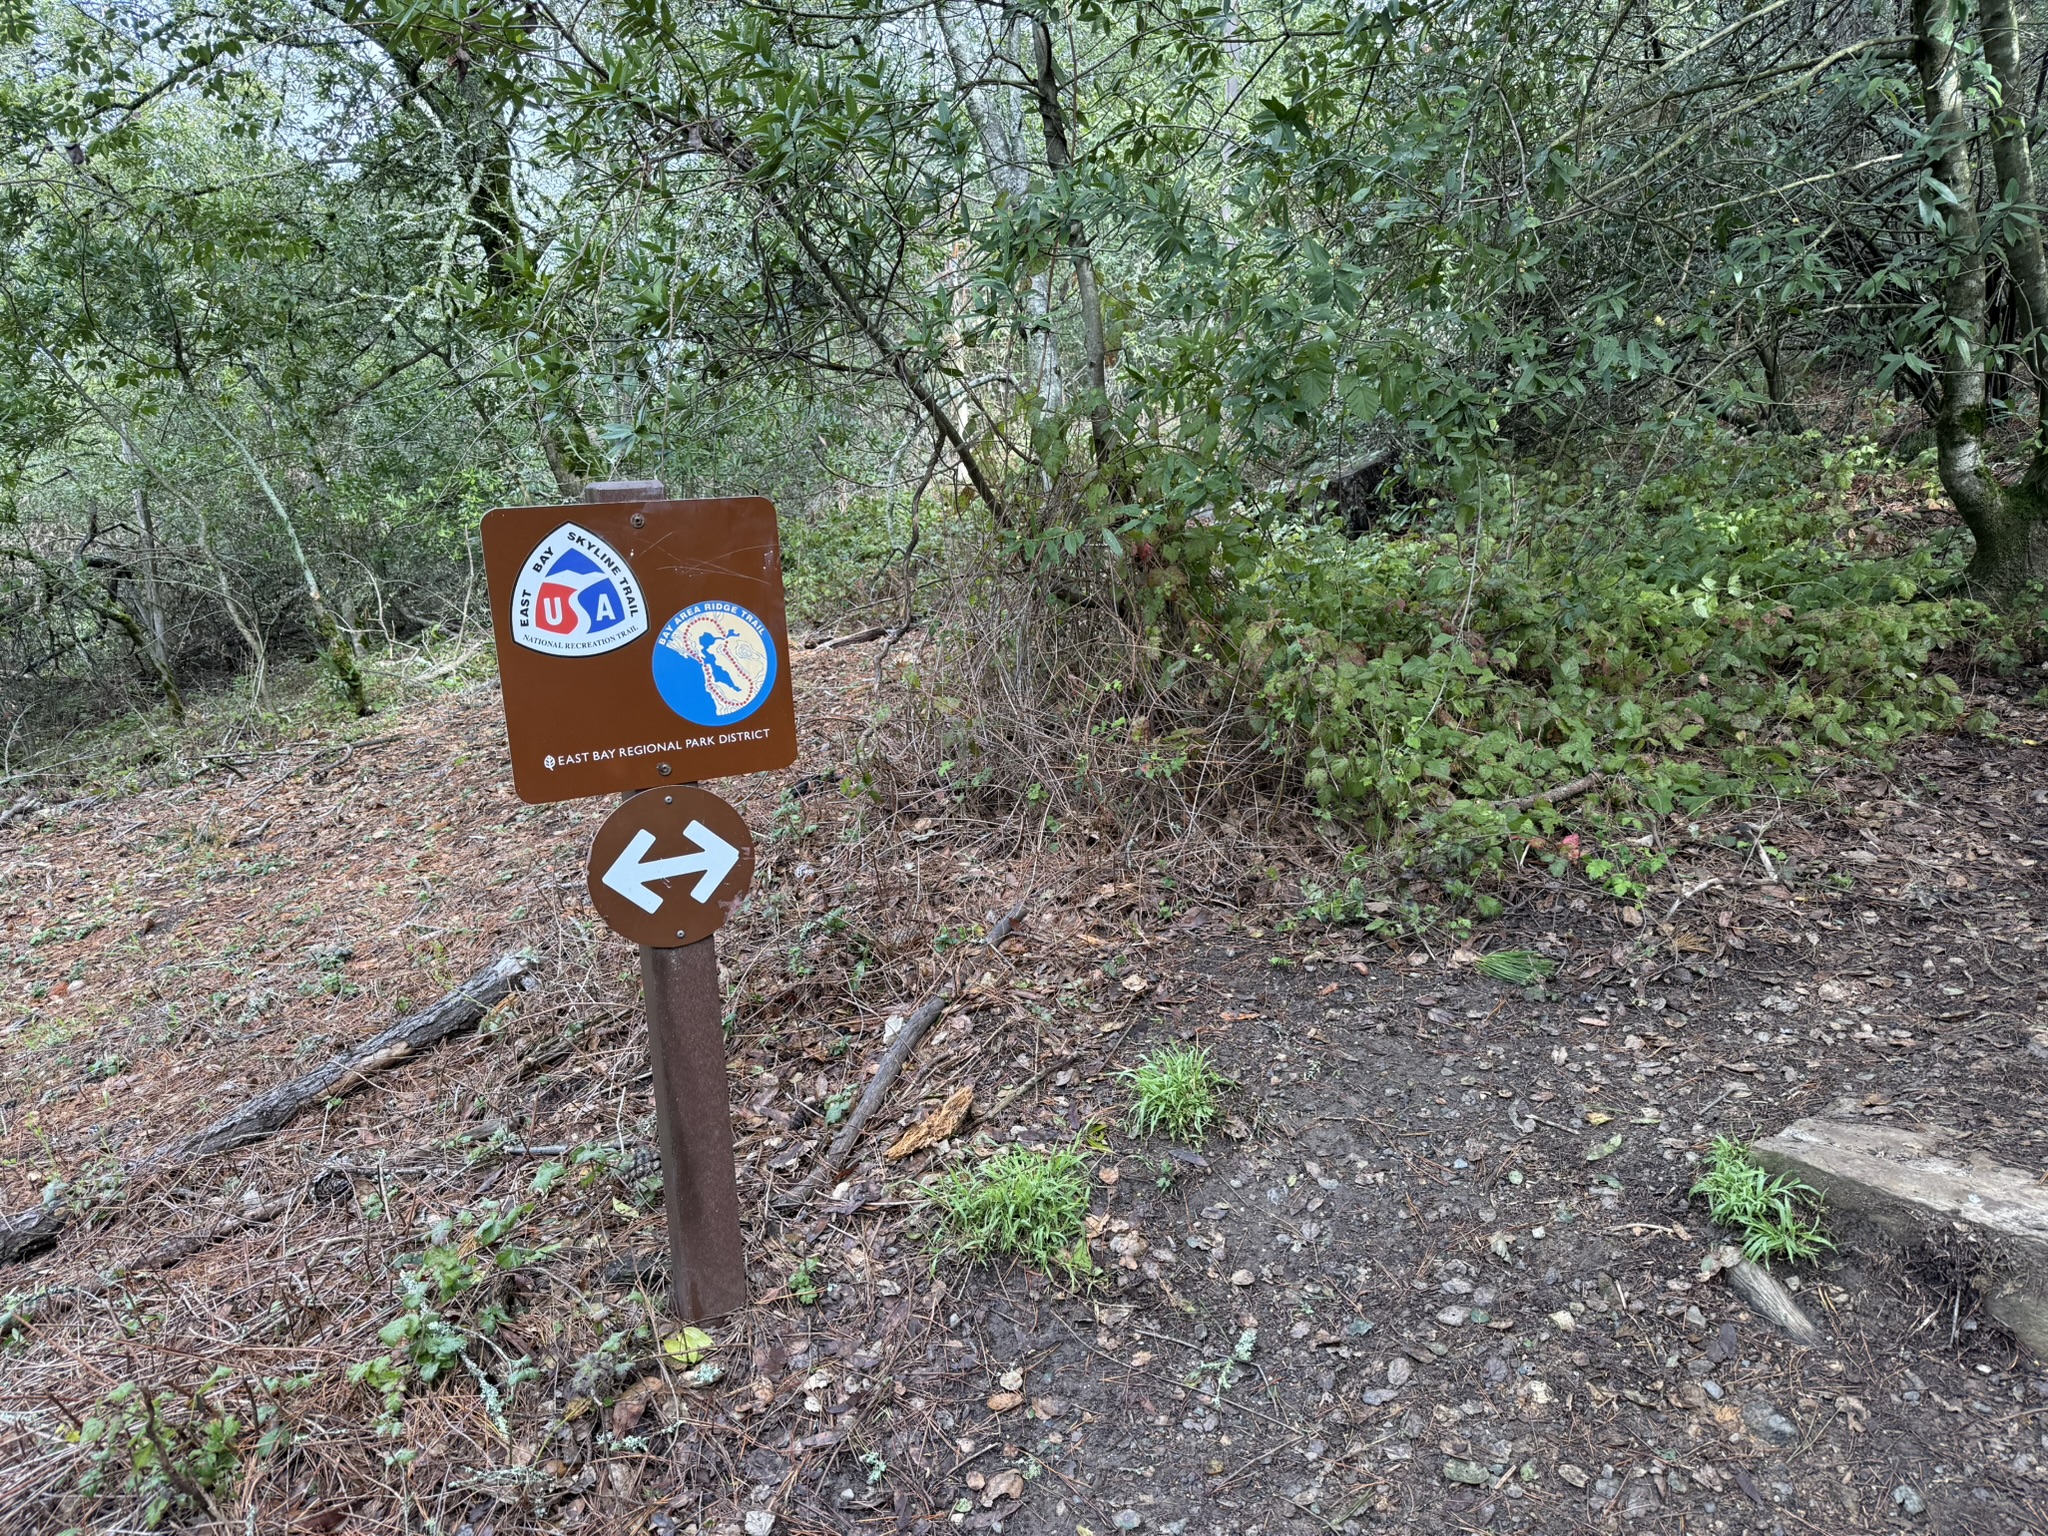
x=668, y=799
x=639, y=519
x=663, y=770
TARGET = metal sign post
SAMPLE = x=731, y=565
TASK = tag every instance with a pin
x=641, y=646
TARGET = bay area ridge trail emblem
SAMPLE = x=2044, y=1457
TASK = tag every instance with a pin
x=576, y=597
x=714, y=663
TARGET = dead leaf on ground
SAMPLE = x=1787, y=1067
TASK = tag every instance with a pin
x=1002, y=1485
x=936, y=1126
x=627, y=1411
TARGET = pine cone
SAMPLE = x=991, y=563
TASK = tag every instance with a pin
x=640, y=1162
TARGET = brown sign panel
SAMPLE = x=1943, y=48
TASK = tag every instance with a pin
x=668, y=865
x=640, y=643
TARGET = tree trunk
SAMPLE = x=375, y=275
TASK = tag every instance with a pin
x=334, y=641
x=150, y=654
x=1779, y=414
x=999, y=123
x=2012, y=546
x=2012, y=542
x=2020, y=231
x=1059, y=156
x=151, y=577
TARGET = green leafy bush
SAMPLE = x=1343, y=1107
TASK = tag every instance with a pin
x=1711, y=633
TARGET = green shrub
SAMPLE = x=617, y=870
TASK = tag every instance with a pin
x=1710, y=634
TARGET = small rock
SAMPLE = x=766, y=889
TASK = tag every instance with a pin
x=1578, y=1477
x=1712, y=1389
x=760, y=1522
x=1907, y=1497
x=1469, y=1472
x=1011, y=1381
x=1454, y=1317
x=1767, y=1423
x=1399, y=1371
x=1377, y=1397
x=1127, y=1520
x=1242, y=1278
x=1562, y=1321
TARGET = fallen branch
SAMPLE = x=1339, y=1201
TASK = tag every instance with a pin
x=1007, y=923
x=30, y=1232
x=858, y=637
x=1556, y=796
x=1762, y=1290
x=899, y=1051
x=40, y=1306
x=270, y=1111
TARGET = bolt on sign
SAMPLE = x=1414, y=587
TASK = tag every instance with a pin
x=639, y=643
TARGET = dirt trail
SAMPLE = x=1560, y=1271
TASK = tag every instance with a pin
x=1345, y=1310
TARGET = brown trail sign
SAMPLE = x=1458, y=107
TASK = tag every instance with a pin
x=641, y=646
x=640, y=641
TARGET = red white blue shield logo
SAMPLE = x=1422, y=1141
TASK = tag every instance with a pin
x=576, y=597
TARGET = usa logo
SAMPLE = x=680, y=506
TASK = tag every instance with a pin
x=576, y=597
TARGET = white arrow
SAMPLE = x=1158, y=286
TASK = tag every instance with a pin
x=713, y=861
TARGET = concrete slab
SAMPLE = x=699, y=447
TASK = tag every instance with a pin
x=1916, y=1187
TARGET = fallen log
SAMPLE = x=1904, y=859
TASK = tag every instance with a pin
x=41, y=1306
x=892, y=1061
x=858, y=637
x=271, y=1110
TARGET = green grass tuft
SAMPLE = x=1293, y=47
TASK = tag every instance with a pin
x=1174, y=1090
x=1018, y=1204
x=1764, y=1210
x=1517, y=967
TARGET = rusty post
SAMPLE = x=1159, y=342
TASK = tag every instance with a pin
x=700, y=1193
x=692, y=1111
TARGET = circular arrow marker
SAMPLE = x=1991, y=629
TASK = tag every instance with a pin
x=668, y=864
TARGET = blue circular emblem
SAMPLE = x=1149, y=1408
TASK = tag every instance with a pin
x=714, y=663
